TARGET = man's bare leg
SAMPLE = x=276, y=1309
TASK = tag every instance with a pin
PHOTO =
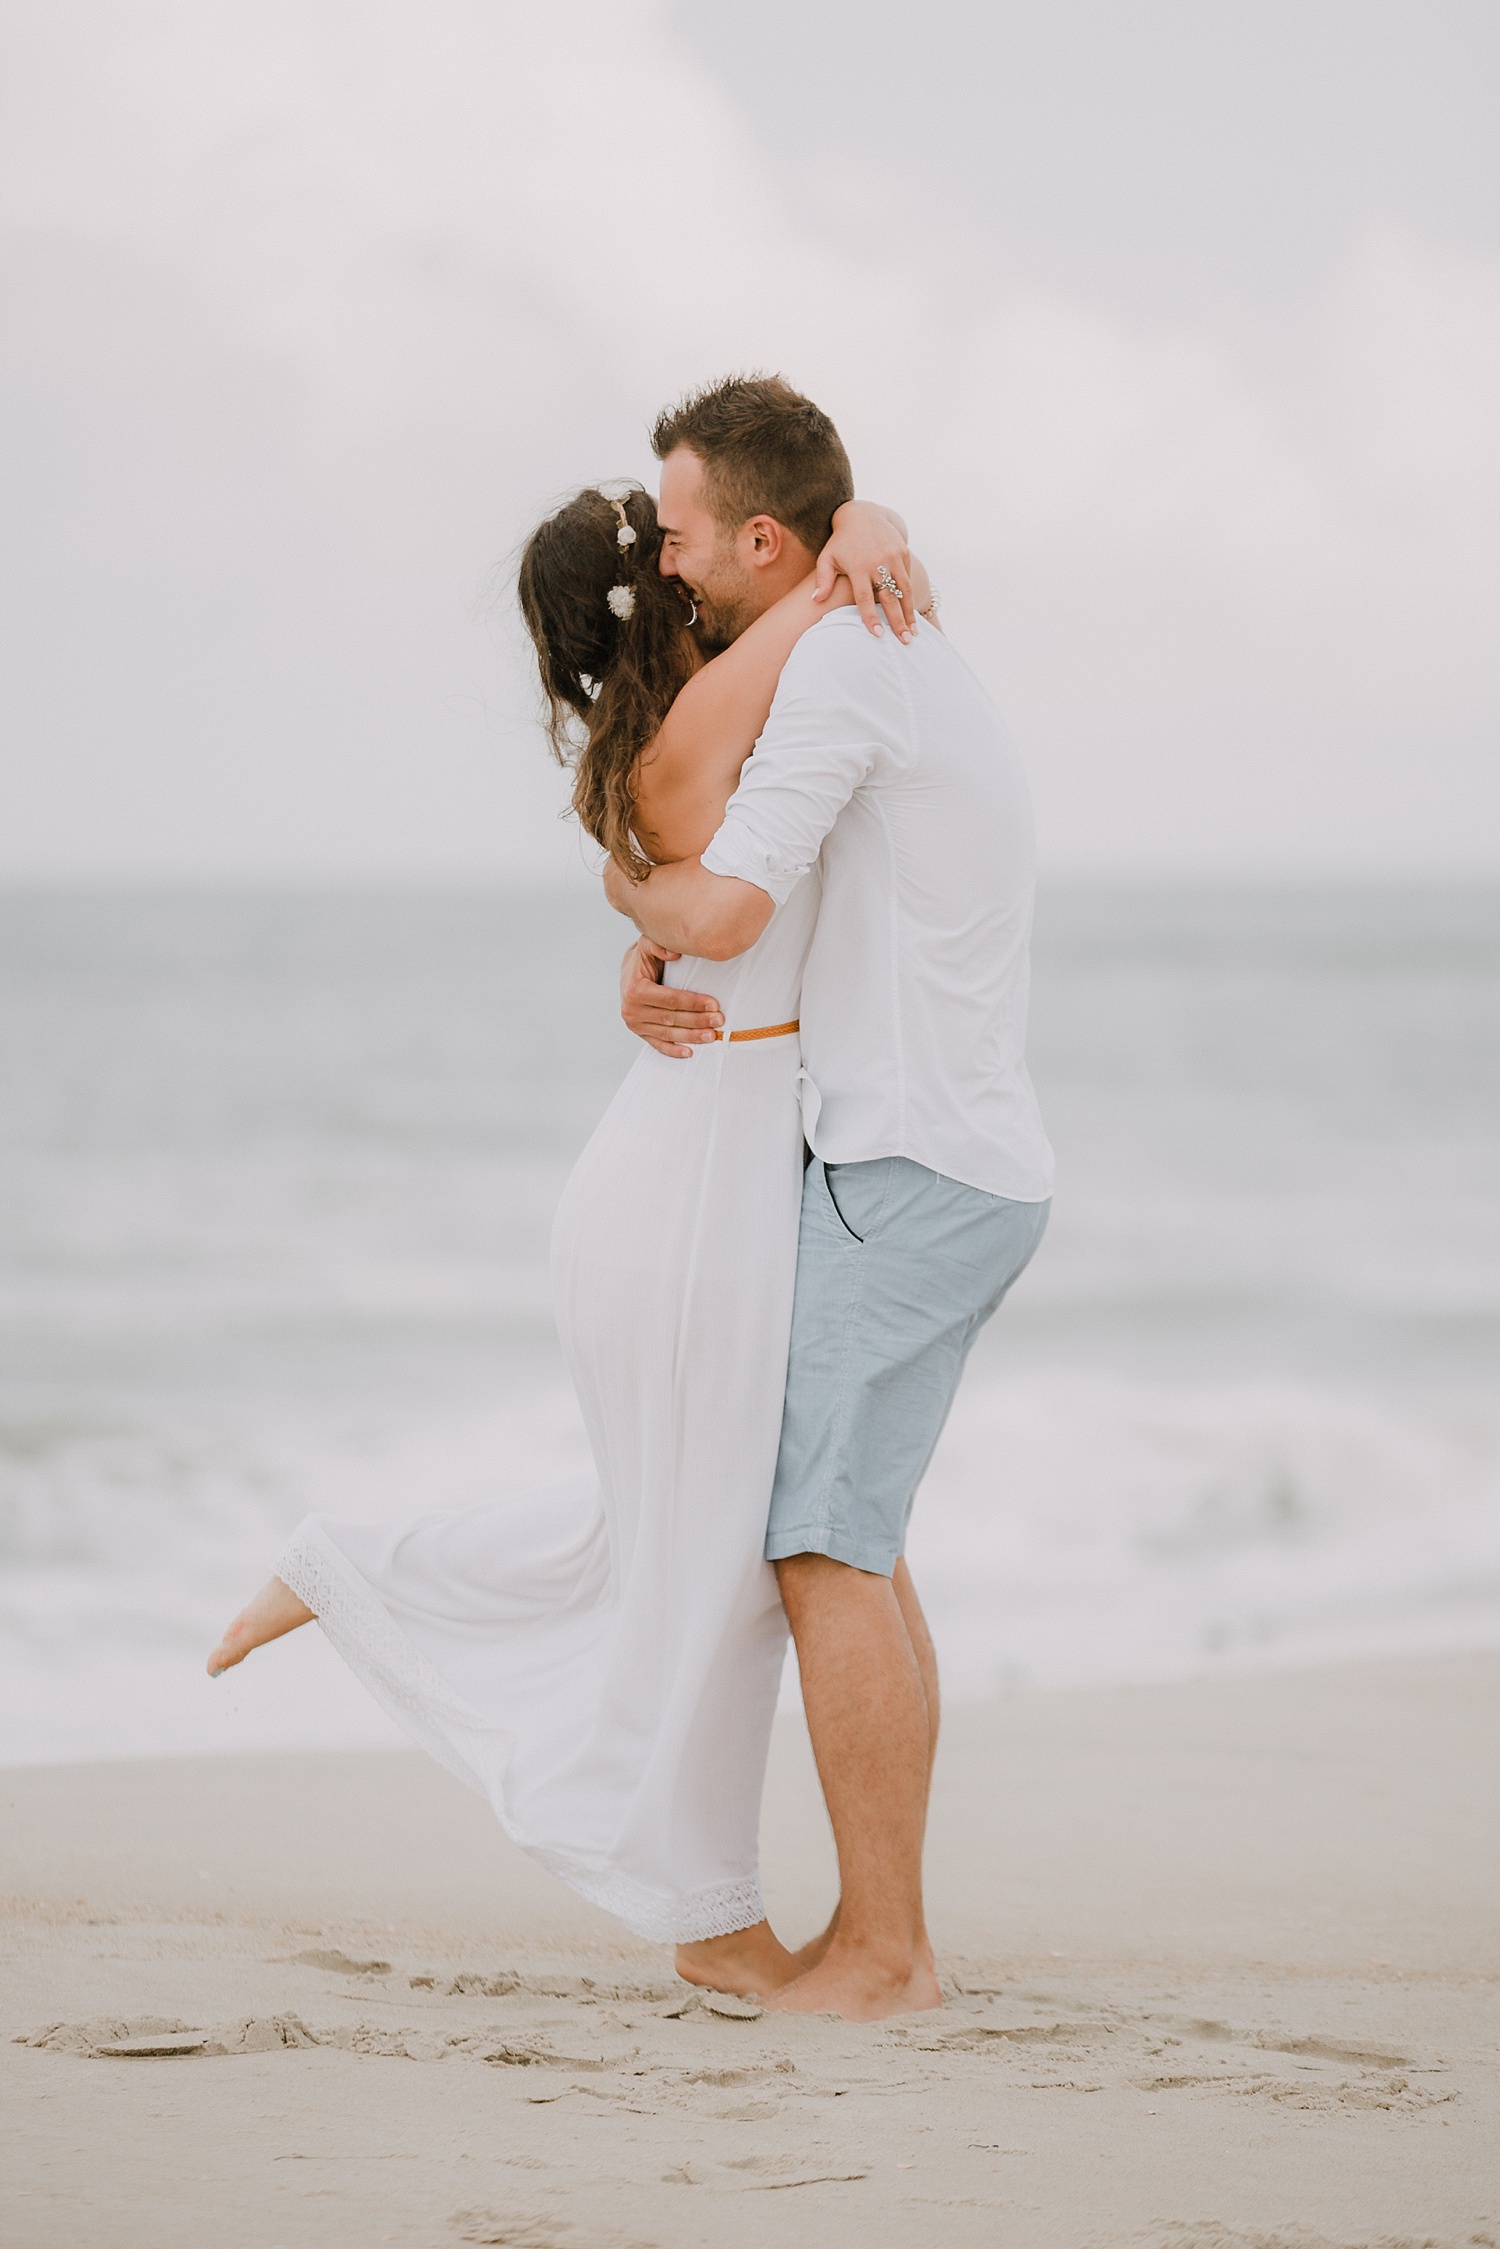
x=867, y=1713
x=752, y=1962
x=755, y=1960
x=808, y=1955
x=274, y=1611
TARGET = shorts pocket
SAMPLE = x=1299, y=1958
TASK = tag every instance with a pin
x=858, y=1194
x=833, y=1204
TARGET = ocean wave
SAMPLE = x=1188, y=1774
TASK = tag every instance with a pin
x=1077, y=1527
x=1073, y=1529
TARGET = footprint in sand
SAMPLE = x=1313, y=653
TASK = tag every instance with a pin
x=510, y=2231
x=340, y=1964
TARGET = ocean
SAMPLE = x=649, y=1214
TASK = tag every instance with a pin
x=276, y=1177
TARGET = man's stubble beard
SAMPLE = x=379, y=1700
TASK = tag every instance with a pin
x=715, y=631
x=723, y=614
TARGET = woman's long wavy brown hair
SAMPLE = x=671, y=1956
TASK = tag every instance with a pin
x=608, y=681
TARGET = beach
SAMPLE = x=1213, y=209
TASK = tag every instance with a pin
x=1221, y=1962
x=337, y=1198
x=1211, y=1550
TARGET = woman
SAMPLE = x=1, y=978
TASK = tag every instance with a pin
x=602, y=1660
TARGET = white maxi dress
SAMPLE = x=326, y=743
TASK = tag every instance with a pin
x=601, y=1659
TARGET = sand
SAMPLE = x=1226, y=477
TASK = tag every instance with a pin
x=1222, y=1963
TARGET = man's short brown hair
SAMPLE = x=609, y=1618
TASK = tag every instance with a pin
x=766, y=450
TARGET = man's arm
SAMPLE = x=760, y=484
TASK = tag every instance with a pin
x=685, y=909
x=671, y=1020
x=831, y=727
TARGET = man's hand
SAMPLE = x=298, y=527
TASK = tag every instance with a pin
x=868, y=548
x=673, y=1022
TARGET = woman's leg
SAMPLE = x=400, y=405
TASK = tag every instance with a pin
x=274, y=1611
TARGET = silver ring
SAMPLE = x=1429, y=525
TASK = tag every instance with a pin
x=887, y=583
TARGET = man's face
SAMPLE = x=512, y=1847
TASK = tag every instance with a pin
x=697, y=549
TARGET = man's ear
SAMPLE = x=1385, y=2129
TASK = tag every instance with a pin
x=764, y=540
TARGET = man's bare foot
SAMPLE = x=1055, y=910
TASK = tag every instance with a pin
x=749, y=1962
x=275, y=1610
x=851, y=1982
x=808, y=1955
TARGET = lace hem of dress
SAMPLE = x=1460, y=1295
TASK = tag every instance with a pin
x=413, y=1692
x=409, y=1688
x=691, y=1920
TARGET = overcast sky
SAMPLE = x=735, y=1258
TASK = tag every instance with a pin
x=1173, y=328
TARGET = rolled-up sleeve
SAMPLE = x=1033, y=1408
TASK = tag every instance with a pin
x=820, y=742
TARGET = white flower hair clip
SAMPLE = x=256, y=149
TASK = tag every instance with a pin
x=621, y=598
x=617, y=495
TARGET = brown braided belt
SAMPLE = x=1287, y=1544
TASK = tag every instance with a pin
x=771, y=1031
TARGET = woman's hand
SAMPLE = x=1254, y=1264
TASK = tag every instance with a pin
x=869, y=546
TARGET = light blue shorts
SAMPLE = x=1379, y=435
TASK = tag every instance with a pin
x=897, y=1271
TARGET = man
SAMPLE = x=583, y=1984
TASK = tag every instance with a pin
x=928, y=1185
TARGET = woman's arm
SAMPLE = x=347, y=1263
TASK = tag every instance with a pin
x=687, y=776
x=868, y=548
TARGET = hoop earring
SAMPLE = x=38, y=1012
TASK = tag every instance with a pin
x=694, y=617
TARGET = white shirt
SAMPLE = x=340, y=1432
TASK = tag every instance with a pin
x=891, y=765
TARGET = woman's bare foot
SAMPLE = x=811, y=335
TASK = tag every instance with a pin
x=275, y=1610
x=750, y=1962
